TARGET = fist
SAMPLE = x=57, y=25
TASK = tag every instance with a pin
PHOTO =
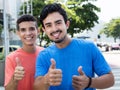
x=19, y=70
x=54, y=76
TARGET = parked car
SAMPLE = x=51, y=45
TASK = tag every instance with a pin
x=11, y=48
x=115, y=46
x=103, y=46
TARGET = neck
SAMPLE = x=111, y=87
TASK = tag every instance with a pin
x=29, y=49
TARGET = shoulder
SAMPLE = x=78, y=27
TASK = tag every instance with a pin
x=10, y=58
x=48, y=49
x=39, y=48
x=14, y=53
x=83, y=42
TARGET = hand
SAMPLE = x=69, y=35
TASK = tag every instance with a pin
x=19, y=70
x=54, y=76
x=81, y=81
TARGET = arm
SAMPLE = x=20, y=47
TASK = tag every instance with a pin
x=12, y=85
x=103, y=81
x=17, y=75
x=41, y=83
x=52, y=78
x=100, y=65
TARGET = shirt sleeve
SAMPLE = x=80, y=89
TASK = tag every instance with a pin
x=100, y=65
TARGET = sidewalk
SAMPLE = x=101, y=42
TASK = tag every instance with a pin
x=113, y=52
x=113, y=58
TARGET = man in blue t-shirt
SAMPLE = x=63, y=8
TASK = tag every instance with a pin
x=69, y=64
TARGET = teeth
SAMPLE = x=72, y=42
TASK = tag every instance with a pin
x=55, y=34
x=28, y=38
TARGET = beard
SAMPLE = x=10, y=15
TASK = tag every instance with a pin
x=60, y=40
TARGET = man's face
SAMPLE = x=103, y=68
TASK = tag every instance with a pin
x=28, y=32
x=55, y=27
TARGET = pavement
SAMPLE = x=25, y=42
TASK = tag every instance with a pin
x=113, y=58
x=113, y=52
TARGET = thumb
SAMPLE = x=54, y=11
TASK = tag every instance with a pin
x=81, y=72
x=18, y=61
x=53, y=64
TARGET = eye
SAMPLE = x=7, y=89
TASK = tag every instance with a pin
x=22, y=29
x=58, y=22
x=48, y=25
x=32, y=28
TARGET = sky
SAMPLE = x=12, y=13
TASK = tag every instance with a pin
x=109, y=9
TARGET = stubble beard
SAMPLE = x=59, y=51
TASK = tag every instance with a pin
x=60, y=40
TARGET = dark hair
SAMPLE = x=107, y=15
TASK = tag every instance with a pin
x=50, y=8
x=25, y=18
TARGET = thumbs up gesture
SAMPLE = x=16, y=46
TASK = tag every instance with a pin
x=81, y=81
x=19, y=70
x=54, y=76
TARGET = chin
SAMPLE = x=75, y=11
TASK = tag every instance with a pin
x=30, y=44
x=58, y=41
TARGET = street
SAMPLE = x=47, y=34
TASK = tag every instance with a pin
x=113, y=58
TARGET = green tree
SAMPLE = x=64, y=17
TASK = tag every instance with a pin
x=81, y=13
x=84, y=16
x=112, y=29
x=1, y=22
x=1, y=27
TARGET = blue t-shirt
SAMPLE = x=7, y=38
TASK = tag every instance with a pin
x=77, y=53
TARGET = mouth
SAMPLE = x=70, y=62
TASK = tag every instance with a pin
x=56, y=34
x=28, y=38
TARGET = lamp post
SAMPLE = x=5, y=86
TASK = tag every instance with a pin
x=5, y=25
x=31, y=7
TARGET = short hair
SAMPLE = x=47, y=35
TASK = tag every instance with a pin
x=24, y=18
x=50, y=8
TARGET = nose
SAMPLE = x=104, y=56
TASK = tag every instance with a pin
x=54, y=28
x=28, y=32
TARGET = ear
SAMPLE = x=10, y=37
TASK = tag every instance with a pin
x=43, y=29
x=67, y=24
x=38, y=31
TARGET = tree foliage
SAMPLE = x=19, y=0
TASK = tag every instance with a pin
x=81, y=13
x=112, y=29
x=1, y=27
x=84, y=16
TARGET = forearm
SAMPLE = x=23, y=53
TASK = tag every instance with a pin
x=12, y=85
x=102, y=82
x=41, y=83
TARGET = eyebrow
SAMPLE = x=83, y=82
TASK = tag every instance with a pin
x=55, y=22
x=58, y=21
